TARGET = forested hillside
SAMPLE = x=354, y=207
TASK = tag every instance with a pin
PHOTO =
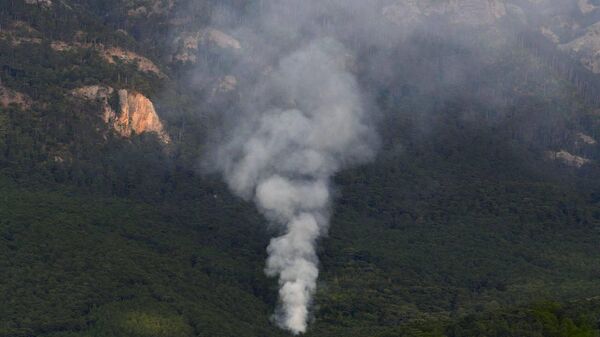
x=479, y=216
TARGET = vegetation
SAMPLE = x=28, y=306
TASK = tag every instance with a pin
x=459, y=228
x=81, y=265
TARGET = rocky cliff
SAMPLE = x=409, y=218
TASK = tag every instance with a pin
x=135, y=115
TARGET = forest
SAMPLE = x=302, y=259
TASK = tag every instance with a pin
x=460, y=226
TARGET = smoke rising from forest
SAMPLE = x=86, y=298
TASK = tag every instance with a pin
x=302, y=121
x=303, y=114
x=283, y=158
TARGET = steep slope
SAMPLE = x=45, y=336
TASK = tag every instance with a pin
x=461, y=223
x=414, y=241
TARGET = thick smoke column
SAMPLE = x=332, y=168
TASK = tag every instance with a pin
x=301, y=116
x=284, y=156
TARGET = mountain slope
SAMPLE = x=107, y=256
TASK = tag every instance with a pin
x=472, y=214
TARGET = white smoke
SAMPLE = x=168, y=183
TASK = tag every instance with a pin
x=303, y=122
x=301, y=117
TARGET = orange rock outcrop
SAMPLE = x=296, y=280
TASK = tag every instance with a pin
x=136, y=113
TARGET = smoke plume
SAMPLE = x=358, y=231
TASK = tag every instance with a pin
x=283, y=158
x=300, y=119
x=299, y=115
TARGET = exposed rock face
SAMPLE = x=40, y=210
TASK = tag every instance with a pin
x=100, y=94
x=587, y=48
x=137, y=115
x=127, y=56
x=586, y=139
x=9, y=96
x=567, y=158
x=21, y=33
x=110, y=54
x=136, y=112
x=189, y=43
